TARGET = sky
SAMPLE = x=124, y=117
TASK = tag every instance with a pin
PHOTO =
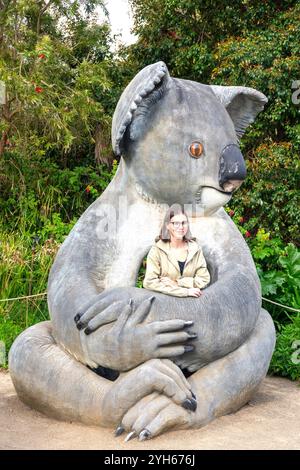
x=121, y=19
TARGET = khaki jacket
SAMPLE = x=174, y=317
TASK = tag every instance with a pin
x=162, y=263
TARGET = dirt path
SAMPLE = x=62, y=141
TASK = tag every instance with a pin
x=271, y=421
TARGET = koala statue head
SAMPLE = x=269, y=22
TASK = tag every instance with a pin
x=179, y=139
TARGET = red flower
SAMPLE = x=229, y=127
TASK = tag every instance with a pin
x=247, y=234
x=231, y=213
x=42, y=56
x=88, y=189
x=173, y=34
x=241, y=220
x=38, y=89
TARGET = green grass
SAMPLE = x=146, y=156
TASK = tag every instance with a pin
x=24, y=270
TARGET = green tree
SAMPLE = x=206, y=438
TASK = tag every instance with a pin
x=56, y=65
x=53, y=63
x=184, y=33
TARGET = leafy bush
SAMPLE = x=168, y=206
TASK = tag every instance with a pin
x=23, y=271
x=278, y=267
x=53, y=77
x=31, y=195
x=270, y=197
x=35, y=223
x=286, y=358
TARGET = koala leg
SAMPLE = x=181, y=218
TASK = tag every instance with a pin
x=53, y=382
x=50, y=380
x=227, y=384
x=221, y=387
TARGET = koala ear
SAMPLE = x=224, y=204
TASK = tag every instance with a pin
x=242, y=104
x=143, y=91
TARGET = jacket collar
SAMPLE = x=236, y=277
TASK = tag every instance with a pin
x=193, y=248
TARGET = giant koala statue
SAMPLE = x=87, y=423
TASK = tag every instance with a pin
x=61, y=367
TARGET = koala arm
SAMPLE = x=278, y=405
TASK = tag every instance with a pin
x=201, y=278
x=152, y=277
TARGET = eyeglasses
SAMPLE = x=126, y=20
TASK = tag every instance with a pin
x=179, y=224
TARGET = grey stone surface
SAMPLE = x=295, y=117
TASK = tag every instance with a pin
x=93, y=276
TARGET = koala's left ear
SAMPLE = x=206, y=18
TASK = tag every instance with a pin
x=242, y=104
x=146, y=88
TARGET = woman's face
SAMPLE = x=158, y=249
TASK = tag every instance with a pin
x=178, y=226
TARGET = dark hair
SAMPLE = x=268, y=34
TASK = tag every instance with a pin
x=164, y=234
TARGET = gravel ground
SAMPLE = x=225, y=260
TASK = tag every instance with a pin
x=270, y=421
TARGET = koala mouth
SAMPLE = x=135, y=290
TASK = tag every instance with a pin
x=198, y=195
x=220, y=190
x=228, y=188
x=209, y=199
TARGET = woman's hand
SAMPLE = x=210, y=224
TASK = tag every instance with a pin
x=194, y=292
x=168, y=282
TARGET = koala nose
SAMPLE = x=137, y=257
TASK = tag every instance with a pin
x=232, y=168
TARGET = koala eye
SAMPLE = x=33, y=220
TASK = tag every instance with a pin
x=196, y=149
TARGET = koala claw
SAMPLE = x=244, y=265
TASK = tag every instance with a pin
x=119, y=431
x=192, y=335
x=130, y=436
x=77, y=318
x=79, y=325
x=145, y=434
x=190, y=404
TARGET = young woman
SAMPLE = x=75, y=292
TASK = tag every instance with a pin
x=175, y=264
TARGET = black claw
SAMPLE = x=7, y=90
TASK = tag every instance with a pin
x=194, y=403
x=145, y=434
x=77, y=317
x=193, y=395
x=79, y=325
x=131, y=302
x=88, y=331
x=192, y=335
x=190, y=404
x=151, y=300
x=119, y=431
x=188, y=323
x=189, y=348
x=187, y=404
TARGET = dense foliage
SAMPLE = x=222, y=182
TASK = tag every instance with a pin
x=62, y=84
x=55, y=62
